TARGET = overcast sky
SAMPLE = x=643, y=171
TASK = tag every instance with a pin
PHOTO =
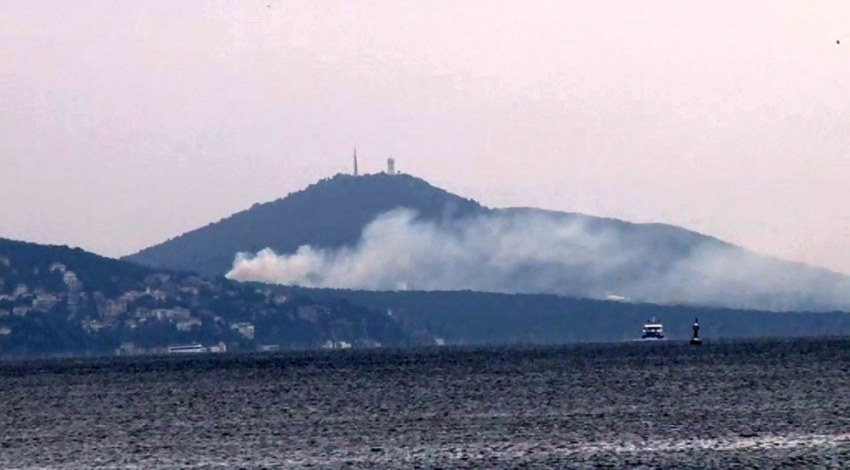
x=124, y=123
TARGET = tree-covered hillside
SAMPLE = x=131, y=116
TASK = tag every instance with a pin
x=352, y=235
x=327, y=214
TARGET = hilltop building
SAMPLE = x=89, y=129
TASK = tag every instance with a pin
x=390, y=165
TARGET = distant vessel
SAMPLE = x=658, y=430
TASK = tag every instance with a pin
x=653, y=330
x=187, y=348
x=197, y=348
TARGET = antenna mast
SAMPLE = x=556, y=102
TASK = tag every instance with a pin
x=355, y=161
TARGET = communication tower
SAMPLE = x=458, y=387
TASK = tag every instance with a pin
x=391, y=166
x=355, y=161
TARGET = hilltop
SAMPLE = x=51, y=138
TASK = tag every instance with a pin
x=61, y=300
x=386, y=232
x=328, y=214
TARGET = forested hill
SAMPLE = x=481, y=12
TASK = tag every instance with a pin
x=328, y=214
x=453, y=243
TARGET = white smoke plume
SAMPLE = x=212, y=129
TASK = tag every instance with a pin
x=538, y=252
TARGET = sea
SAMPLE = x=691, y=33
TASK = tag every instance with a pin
x=656, y=405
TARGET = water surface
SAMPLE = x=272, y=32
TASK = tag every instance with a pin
x=631, y=405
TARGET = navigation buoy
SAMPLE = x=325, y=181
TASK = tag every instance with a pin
x=695, y=339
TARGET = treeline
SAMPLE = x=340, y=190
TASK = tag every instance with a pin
x=487, y=318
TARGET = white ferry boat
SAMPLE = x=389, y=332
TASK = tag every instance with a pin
x=652, y=330
x=187, y=348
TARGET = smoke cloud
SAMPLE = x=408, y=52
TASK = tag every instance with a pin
x=530, y=251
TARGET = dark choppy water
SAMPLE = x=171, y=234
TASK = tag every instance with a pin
x=731, y=405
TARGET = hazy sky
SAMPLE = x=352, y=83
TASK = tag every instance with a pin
x=124, y=123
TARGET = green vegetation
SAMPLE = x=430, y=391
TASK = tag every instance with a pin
x=328, y=214
x=479, y=317
x=656, y=263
